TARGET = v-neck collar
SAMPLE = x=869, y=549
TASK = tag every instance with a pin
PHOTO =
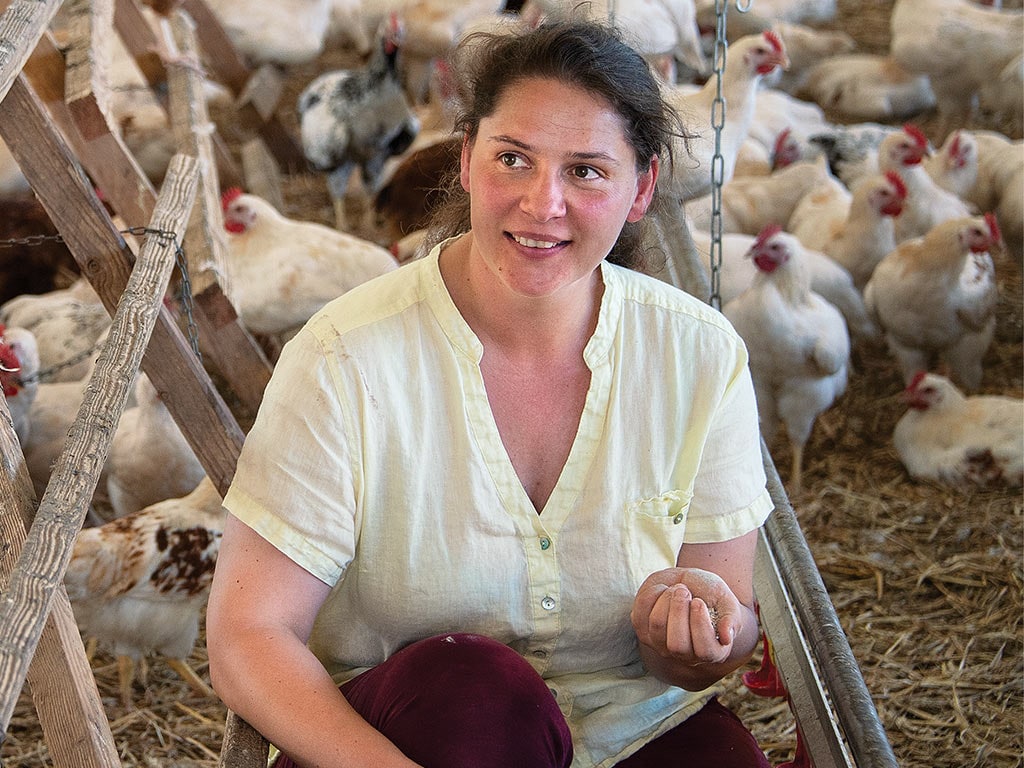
x=596, y=355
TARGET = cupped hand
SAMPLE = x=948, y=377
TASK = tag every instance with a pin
x=687, y=614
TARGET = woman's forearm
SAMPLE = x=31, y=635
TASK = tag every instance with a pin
x=295, y=704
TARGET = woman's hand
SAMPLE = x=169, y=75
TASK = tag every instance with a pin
x=688, y=615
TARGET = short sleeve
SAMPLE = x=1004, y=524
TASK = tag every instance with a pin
x=730, y=496
x=295, y=480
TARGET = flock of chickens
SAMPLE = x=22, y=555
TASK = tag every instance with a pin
x=834, y=234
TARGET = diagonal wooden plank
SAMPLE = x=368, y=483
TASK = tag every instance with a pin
x=39, y=572
x=235, y=351
x=149, y=52
x=236, y=355
x=103, y=256
x=60, y=678
x=22, y=24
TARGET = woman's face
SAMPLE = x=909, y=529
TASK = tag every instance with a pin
x=551, y=179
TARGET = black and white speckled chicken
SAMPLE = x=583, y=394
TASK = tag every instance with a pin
x=139, y=583
x=357, y=118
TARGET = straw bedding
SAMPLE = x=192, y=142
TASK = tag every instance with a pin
x=926, y=580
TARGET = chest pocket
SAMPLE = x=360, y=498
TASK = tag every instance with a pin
x=654, y=532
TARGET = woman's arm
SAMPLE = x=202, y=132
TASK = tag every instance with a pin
x=261, y=612
x=679, y=642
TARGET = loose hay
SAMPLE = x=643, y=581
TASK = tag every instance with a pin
x=926, y=580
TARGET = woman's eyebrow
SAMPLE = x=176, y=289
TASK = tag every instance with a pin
x=576, y=156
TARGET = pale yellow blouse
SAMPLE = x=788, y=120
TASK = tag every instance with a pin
x=375, y=463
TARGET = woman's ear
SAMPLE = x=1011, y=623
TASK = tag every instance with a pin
x=645, y=186
x=467, y=150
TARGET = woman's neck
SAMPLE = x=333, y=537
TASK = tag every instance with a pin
x=522, y=326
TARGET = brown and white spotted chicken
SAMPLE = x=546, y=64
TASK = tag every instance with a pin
x=138, y=583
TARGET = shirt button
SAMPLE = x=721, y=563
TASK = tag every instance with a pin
x=547, y=603
x=678, y=518
x=540, y=653
x=545, y=542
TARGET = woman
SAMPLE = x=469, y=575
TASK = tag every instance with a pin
x=507, y=496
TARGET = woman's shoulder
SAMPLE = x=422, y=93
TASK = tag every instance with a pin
x=664, y=299
x=377, y=299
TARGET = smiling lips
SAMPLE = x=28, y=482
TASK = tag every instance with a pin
x=528, y=243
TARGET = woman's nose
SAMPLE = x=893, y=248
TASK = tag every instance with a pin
x=543, y=197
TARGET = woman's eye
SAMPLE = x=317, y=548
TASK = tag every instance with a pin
x=584, y=172
x=509, y=159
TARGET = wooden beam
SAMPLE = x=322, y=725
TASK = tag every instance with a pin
x=22, y=24
x=105, y=259
x=63, y=688
x=149, y=52
x=231, y=69
x=236, y=353
x=47, y=550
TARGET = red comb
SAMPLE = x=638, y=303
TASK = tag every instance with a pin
x=773, y=39
x=916, y=381
x=770, y=231
x=230, y=195
x=954, y=148
x=993, y=227
x=897, y=181
x=916, y=134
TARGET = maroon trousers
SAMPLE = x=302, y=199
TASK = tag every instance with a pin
x=466, y=701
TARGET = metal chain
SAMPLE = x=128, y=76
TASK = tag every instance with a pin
x=718, y=110
x=186, y=284
x=718, y=106
x=185, y=292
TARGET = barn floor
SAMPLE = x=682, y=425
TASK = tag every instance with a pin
x=926, y=580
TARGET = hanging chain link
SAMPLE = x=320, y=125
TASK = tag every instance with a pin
x=718, y=110
x=185, y=293
x=718, y=107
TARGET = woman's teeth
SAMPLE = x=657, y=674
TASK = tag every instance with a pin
x=525, y=241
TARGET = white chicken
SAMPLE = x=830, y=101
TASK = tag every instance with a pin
x=286, y=33
x=67, y=324
x=828, y=279
x=281, y=270
x=935, y=296
x=357, y=118
x=865, y=86
x=960, y=45
x=749, y=59
x=1001, y=99
x=19, y=364
x=857, y=230
x=150, y=460
x=1000, y=183
x=51, y=414
x=954, y=166
x=139, y=583
x=926, y=204
x=948, y=437
x=750, y=203
x=663, y=31
x=799, y=345
x=432, y=30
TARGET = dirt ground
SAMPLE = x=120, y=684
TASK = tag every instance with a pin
x=926, y=580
